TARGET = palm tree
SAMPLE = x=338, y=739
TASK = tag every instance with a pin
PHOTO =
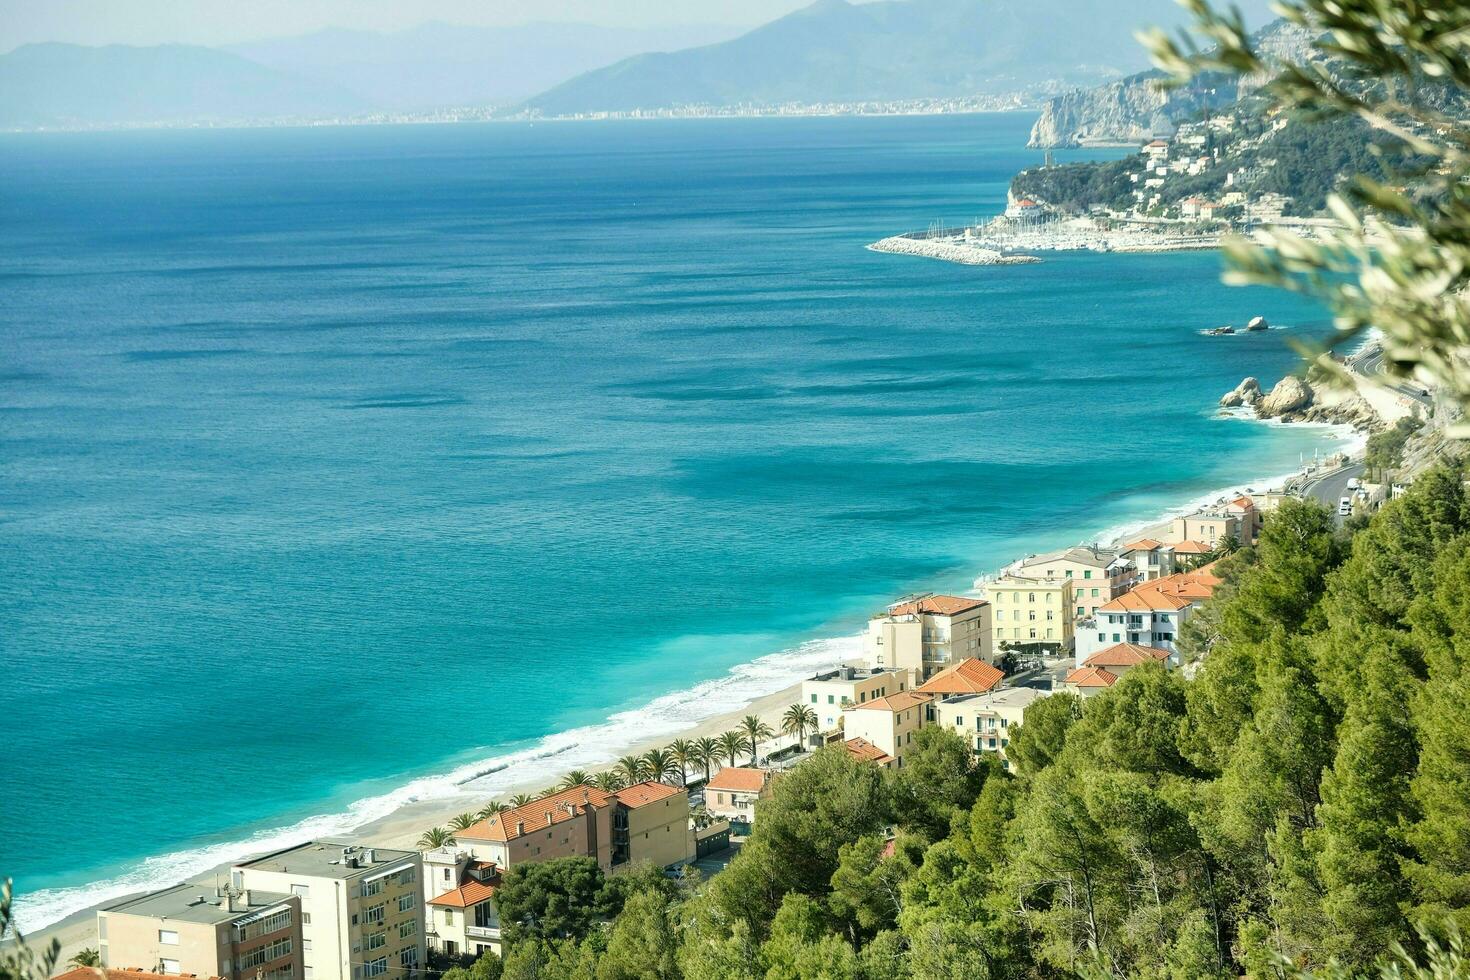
x=464, y=821
x=436, y=837
x=608, y=781
x=491, y=809
x=732, y=744
x=521, y=799
x=575, y=778
x=797, y=719
x=756, y=731
x=709, y=754
x=633, y=769
x=86, y=957
x=683, y=752
x=661, y=764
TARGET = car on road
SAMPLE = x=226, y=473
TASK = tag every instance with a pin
x=1345, y=507
x=1354, y=484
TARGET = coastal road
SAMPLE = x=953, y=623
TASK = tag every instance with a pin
x=1331, y=487
x=1370, y=363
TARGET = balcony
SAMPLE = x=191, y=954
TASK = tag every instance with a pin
x=482, y=932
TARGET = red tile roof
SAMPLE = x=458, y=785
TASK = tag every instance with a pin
x=1243, y=502
x=901, y=701
x=1170, y=592
x=739, y=779
x=938, y=605
x=1125, y=655
x=471, y=891
x=644, y=793
x=1191, y=548
x=966, y=677
x=1143, y=544
x=534, y=815
x=1091, y=677
x=865, y=751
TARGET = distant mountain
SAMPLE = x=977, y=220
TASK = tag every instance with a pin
x=1132, y=109
x=440, y=64
x=68, y=85
x=883, y=51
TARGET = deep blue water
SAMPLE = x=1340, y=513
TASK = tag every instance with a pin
x=333, y=457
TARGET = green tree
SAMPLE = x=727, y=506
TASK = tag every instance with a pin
x=464, y=821
x=576, y=778
x=707, y=754
x=939, y=778
x=436, y=837
x=86, y=957
x=660, y=765
x=867, y=887
x=644, y=941
x=755, y=731
x=633, y=769
x=685, y=754
x=732, y=743
x=557, y=899
x=1037, y=742
x=798, y=720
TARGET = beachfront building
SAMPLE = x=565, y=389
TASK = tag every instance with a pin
x=1031, y=614
x=114, y=973
x=985, y=720
x=927, y=633
x=1233, y=519
x=888, y=723
x=864, y=751
x=651, y=824
x=1151, y=559
x=362, y=912
x=732, y=793
x=1189, y=555
x=1151, y=615
x=462, y=920
x=200, y=930
x=829, y=692
x=576, y=822
x=966, y=677
x=1098, y=575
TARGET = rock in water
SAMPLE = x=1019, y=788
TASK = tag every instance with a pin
x=1248, y=392
x=1291, y=394
x=1257, y=323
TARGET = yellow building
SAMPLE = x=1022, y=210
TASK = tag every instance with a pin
x=205, y=931
x=1098, y=575
x=1032, y=612
x=928, y=633
x=887, y=723
x=651, y=824
x=829, y=692
x=733, y=792
x=573, y=823
x=985, y=720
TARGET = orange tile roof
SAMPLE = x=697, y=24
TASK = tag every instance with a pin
x=865, y=751
x=1242, y=502
x=1170, y=592
x=1091, y=677
x=938, y=605
x=118, y=973
x=1143, y=544
x=966, y=677
x=1191, y=548
x=738, y=779
x=901, y=701
x=471, y=891
x=1125, y=655
x=644, y=793
x=502, y=826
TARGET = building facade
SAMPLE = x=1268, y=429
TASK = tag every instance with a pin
x=888, y=723
x=1098, y=575
x=236, y=934
x=985, y=721
x=1032, y=613
x=829, y=692
x=732, y=793
x=462, y=920
x=362, y=911
x=928, y=633
x=1150, y=615
x=651, y=823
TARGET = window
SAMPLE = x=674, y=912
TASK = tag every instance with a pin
x=1094, y=593
x=374, y=914
x=168, y=937
x=375, y=968
x=371, y=888
x=301, y=890
x=405, y=902
x=306, y=918
x=829, y=699
x=263, y=954
x=1087, y=573
x=449, y=917
x=170, y=967
x=409, y=958
x=306, y=945
x=958, y=720
x=377, y=940
x=814, y=701
x=275, y=922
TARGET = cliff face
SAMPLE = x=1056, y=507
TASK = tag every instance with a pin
x=1131, y=110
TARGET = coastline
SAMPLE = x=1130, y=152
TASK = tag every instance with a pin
x=764, y=687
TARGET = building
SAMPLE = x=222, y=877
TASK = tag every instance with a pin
x=927, y=633
x=1190, y=554
x=1031, y=613
x=967, y=677
x=1150, y=559
x=1198, y=208
x=114, y=973
x=651, y=824
x=576, y=822
x=985, y=721
x=1087, y=681
x=361, y=911
x=828, y=693
x=732, y=793
x=1121, y=657
x=1157, y=151
x=888, y=723
x=200, y=930
x=1024, y=208
x=864, y=751
x=1214, y=526
x=462, y=920
x=1148, y=616
x=1098, y=575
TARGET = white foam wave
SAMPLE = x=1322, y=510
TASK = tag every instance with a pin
x=539, y=764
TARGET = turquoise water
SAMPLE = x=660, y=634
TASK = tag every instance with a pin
x=333, y=459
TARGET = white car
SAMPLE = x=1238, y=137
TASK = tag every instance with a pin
x=1354, y=484
x=1345, y=507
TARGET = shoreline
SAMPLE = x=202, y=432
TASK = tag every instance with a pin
x=765, y=687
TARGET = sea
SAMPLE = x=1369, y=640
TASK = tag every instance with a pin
x=343, y=467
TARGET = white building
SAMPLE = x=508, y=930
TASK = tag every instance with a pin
x=927, y=633
x=1149, y=616
x=829, y=692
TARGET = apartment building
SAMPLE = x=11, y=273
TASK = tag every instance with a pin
x=362, y=914
x=1236, y=519
x=651, y=824
x=576, y=822
x=1151, y=559
x=114, y=973
x=1150, y=615
x=964, y=678
x=205, y=931
x=985, y=720
x=462, y=920
x=888, y=723
x=732, y=793
x=927, y=633
x=1098, y=575
x=1032, y=613
x=829, y=692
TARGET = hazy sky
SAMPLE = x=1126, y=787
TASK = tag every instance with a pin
x=224, y=21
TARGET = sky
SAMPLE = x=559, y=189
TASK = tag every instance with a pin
x=212, y=22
